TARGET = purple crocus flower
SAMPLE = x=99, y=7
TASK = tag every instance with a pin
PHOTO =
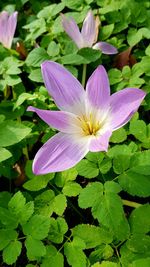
x=86, y=120
x=88, y=35
x=7, y=28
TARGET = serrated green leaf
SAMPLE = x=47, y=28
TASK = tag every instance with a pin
x=140, y=219
x=71, y=189
x=87, y=169
x=89, y=54
x=74, y=253
x=35, y=248
x=63, y=177
x=11, y=252
x=17, y=203
x=44, y=203
x=6, y=235
x=36, y=57
x=8, y=219
x=37, y=227
x=60, y=204
x=91, y=235
x=53, y=257
x=57, y=230
x=12, y=132
x=118, y=136
x=141, y=262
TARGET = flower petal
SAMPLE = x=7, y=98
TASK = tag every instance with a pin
x=59, y=153
x=63, y=121
x=71, y=28
x=106, y=48
x=3, y=27
x=12, y=23
x=100, y=143
x=89, y=29
x=123, y=105
x=98, y=89
x=64, y=88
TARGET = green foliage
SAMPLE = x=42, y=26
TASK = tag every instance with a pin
x=96, y=213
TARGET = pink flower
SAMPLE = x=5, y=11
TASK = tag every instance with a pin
x=88, y=34
x=7, y=28
x=86, y=120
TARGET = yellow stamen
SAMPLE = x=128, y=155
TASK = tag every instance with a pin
x=89, y=125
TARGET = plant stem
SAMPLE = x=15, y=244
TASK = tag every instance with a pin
x=84, y=74
x=131, y=203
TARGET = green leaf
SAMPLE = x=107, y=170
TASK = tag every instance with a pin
x=8, y=219
x=37, y=227
x=74, y=253
x=36, y=76
x=17, y=203
x=35, y=248
x=4, y=154
x=141, y=263
x=91, y=235
x=44, y=203
x=6, y=235
x=106, y=31
x=11, y=252
x=36, y=57
x=105, y=264
x=115, y=76
x=71, y=189
x=89, y=54
x=118, y=136
x=61, y=178
x=140, y=219
x=52, y=257
x=139, y=130
x=57, y=230
x=60, y=204
x=139, y=243
x=87, y=169
x=53, y=49
x=74, y=59
x=12, y=132
x=135, y=183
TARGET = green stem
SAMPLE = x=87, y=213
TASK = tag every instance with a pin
x=131, y=203
x=84, y=74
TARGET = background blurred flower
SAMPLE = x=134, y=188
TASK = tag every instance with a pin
x=7, y=28
x=86, y=120
x=88, y=35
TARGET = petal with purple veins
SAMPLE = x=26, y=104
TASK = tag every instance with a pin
x=100, y=143
x=61, y=120
x=89, y=29
x=123, y=105
x=98, y=89
x=64, y=88
x=106, y=48
x=59, y=153
x=71, y=28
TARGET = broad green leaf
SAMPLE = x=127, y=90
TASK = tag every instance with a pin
x=8, y=219
x=44, y=203
x=53, y=49
x=57, y=230
x=61, y=178
x=141, y=263
x=74, y=59
x=6, y=236
x=74, y=253
x=91, y=235
x=35, y=248
x=37, y=227
x=60, y=204
x=4, y=154
x=115, y=76
x=106, y=31
x=52, y=257
x=17, y=203
x=118, y=136
x=140, y=219
x=89, y=54
x=87, y=169
x=36, y=57
x=71, y=189
x=11, y=252
x=36, y=76
x=12, y=132
x=139, y=243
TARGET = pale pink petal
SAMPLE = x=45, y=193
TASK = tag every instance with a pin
x=98, y=89
x=89, y=29
x=71, y=28
x=64, y=88
x=100, y=143
x=12, y=23
x=3, y=27
x=7, y=28
x=106, y=48
x=61, y=120
x=59, y=153
x=123, y=105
